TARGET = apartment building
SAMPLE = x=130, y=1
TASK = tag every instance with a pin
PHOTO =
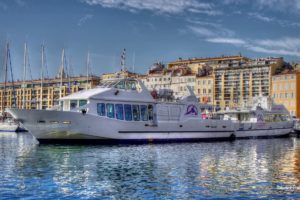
x=196, y=64
x=37, y=94
x=286, y=91
x=236, y=85
x=204, y=89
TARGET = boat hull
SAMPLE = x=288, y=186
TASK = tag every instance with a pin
x=264, y=130
x=8, y=127
x=59, y=126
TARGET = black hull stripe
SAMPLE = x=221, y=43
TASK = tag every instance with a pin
x=230, y=131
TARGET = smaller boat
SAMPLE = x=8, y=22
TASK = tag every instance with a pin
x=8, y=125
x=261, y=118
x=297, y=127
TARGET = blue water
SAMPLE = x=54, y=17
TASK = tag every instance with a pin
x=268, y=168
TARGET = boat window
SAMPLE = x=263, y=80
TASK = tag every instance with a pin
x=144, y=113
x=150, y=112
x=110, y=110
x=101, y=109
x=136, y=112
x=131, y=85
x=82, y=103
x=61, y=105
x=119, y=111
x=73, y=104
x=120, y=85
x=128, y=112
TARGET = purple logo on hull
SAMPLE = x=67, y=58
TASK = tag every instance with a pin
x=191, y=110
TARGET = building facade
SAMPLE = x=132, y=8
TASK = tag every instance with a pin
x=197, y=64
x=204, y=89
x=42, y=95
x=286, y=91
x=234, y=86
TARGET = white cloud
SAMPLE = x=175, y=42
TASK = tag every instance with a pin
x=84, y=19
x=261, y=17
x=208, y=29
x=234, y=41
x=274, y=51
x=201, y=31
x=284, y=43
x=158, y=6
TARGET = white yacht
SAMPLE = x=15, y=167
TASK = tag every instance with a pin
x=122, y=110
x=263, y=118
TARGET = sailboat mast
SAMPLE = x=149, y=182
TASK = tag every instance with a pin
x=42, y=77
x=5, y=79
x=61, y=72
x=24, y=75
x=87, y=69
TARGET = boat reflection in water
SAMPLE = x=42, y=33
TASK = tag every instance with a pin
x=243, y=168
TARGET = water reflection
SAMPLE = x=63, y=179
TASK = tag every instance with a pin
x=243, y=168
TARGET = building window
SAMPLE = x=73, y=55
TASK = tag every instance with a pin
x=128, y=112
x=110, y=110
x=204, y=91
x=119, y=111
x=101, y=109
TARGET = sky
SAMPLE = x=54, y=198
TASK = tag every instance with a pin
x=150, y=30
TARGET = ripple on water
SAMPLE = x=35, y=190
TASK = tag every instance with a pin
x=243, y=168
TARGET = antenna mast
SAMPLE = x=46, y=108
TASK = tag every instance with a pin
x=123, y=59
x=42, y=77
x=87, y=69
x=24, y=75
x=61, y=71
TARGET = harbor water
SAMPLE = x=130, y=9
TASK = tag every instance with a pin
x=264, y=168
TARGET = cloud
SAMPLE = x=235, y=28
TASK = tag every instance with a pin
x=208, y=29
x=20, y=3
x=84, y=19
x=284, y=43
x=234, y=41
x=282, y=46
x=261, y=17
x=158, y=6
x=260, y=49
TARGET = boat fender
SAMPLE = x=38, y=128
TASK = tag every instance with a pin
x=83, y=111
x=232, y=136
x=117, y=92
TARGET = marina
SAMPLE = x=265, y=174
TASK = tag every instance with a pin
x=252, y=169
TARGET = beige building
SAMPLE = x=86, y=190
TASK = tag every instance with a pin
x=118, y=74
x=30, y=95
x=234, y=86
x=180, y=83
x=197, y=64
x=286, y=91
x=204, y=89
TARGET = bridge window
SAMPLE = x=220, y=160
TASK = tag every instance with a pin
x=110, y=110
x=128, y=112
x=82, y=103
x=101, y=109
x=73, y=104
x=150, y=112
x=144, y=113
x=119, y=111
x=136, y=112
